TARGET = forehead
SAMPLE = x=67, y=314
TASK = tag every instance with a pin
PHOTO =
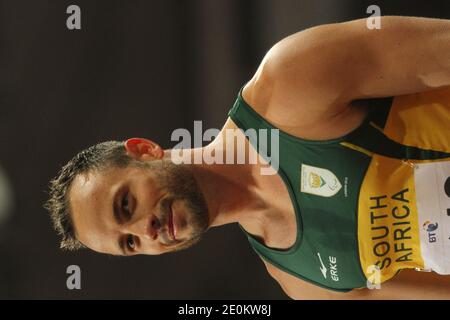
x=91, y=202
x=95, y=182
x=94, y=186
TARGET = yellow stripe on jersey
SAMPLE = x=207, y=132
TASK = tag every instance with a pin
x=421, y=120
x=388, y=234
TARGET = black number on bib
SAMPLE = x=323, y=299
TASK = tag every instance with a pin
x=447, y=192
x=447, y=187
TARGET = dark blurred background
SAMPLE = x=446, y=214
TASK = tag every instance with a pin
x=136, y=68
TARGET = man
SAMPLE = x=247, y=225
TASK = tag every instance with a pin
x=360, y=196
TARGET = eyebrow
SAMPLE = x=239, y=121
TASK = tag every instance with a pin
x=118, y=217
x=116, y=206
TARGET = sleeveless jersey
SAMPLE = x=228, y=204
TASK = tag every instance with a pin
x=370, y=203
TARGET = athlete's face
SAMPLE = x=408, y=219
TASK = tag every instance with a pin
x=134, y=210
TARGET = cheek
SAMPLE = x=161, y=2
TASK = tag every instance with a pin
x=148, y=193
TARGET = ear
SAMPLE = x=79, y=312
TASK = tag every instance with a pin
x=143, y=149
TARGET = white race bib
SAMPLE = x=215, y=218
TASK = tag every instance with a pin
x=432, y=183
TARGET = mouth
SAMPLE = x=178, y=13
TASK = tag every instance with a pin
x=171, y=226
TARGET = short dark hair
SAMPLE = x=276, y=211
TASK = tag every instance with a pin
x=97, y=157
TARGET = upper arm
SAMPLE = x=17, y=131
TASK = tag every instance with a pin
x=326, y=67
x=296, y=288
x=408, y=284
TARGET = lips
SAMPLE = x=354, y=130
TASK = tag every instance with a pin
x=170, y=225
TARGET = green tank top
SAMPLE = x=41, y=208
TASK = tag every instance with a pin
x=362, y=201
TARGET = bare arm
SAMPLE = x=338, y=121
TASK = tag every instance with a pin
x=334, y=64
x=408, y=285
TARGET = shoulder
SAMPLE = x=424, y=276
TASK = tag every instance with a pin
x=299, y=82
x=294, y=109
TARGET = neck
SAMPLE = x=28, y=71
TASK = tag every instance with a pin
x=230, y=190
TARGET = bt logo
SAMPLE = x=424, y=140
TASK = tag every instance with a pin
x=430, y=228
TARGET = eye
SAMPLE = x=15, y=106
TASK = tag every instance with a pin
x=130, y=242
x=125, y=205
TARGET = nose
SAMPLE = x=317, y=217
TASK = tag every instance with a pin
x=145, y=227
x=153, y=227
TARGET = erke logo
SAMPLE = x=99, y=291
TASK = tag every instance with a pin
x=333, y=268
